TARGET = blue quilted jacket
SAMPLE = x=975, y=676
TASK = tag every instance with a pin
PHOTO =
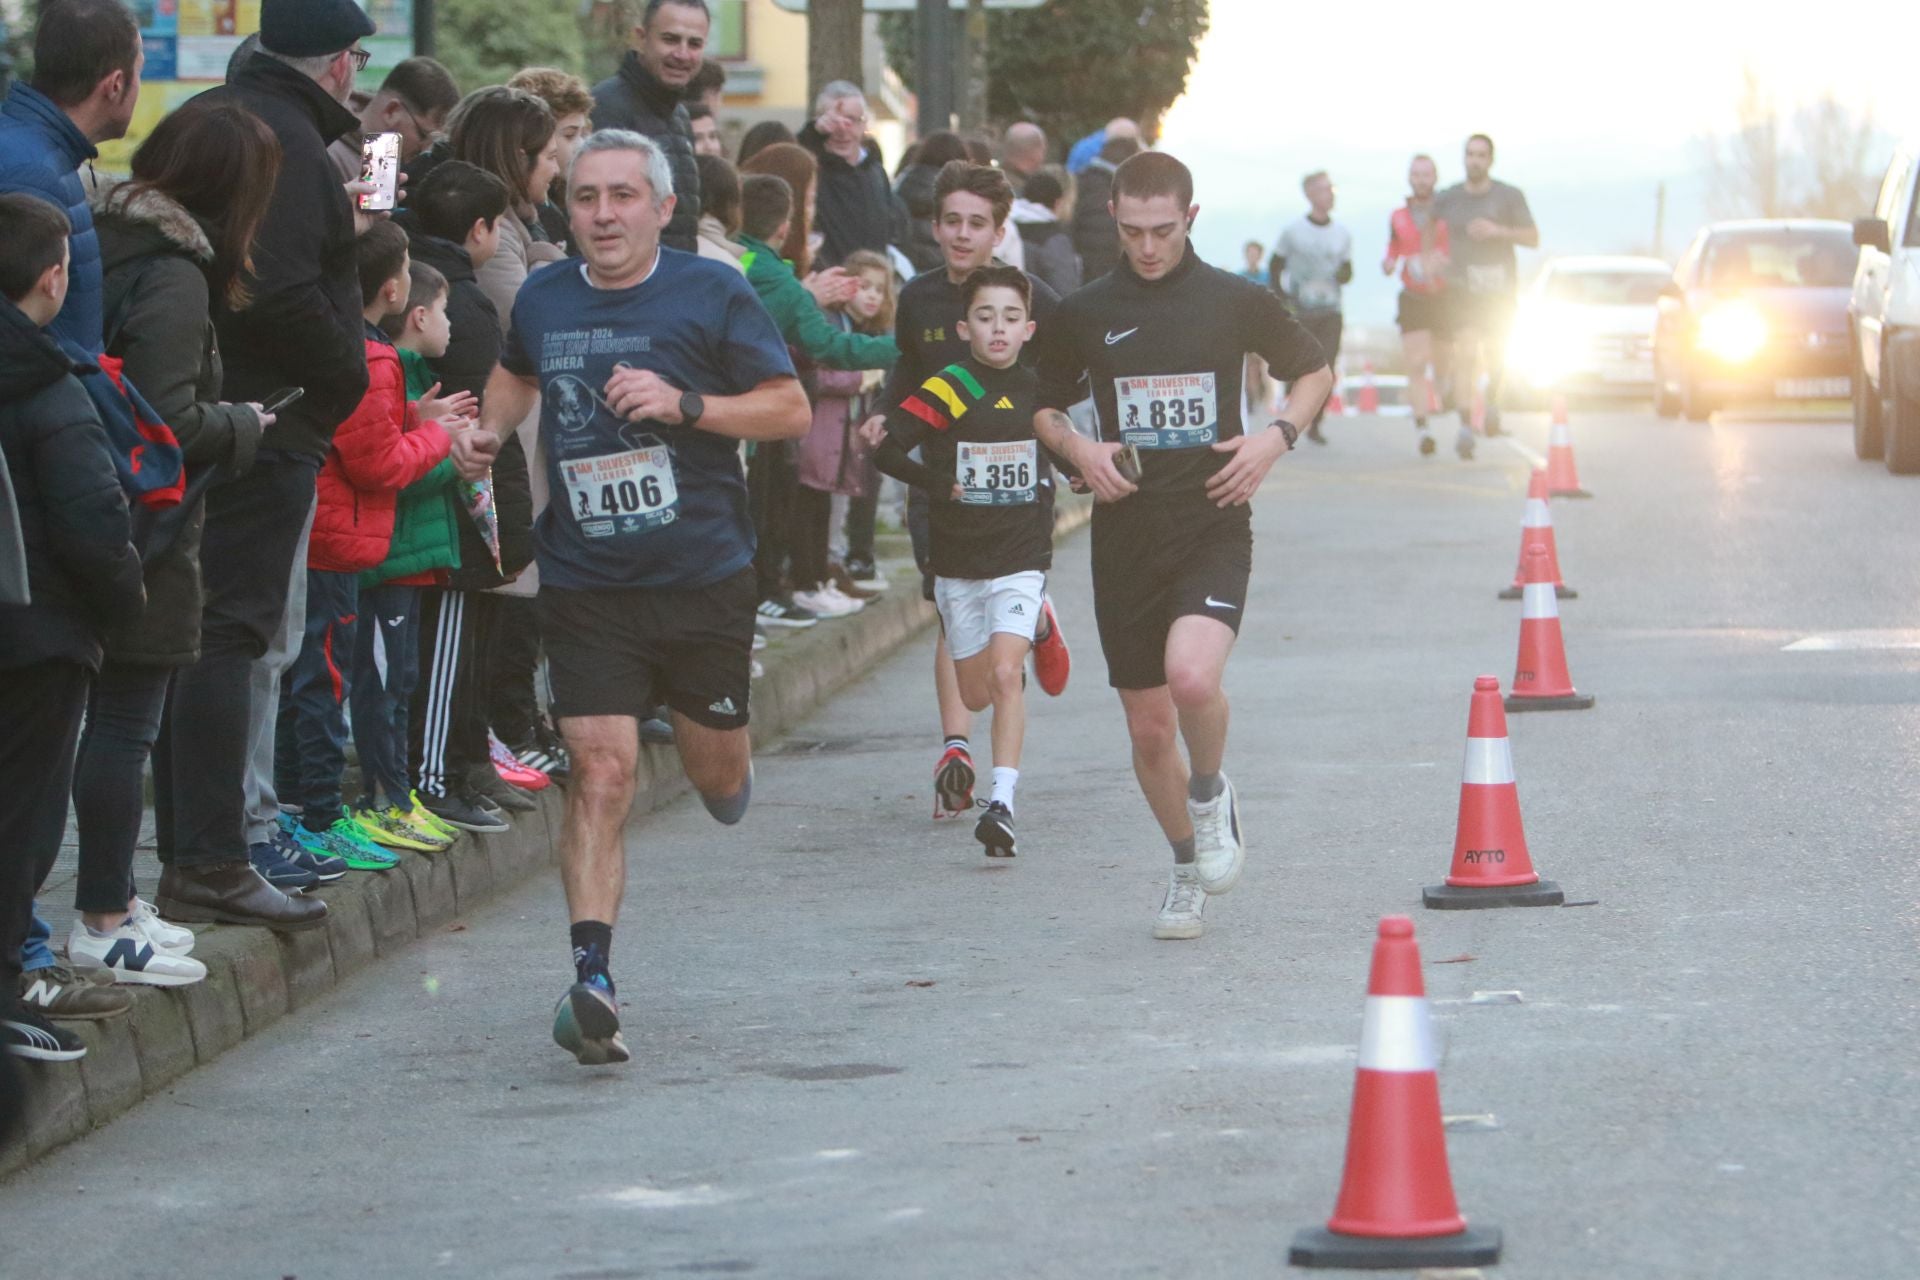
x=41, y=152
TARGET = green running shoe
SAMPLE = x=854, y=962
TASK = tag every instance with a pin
x=343, y=840
x=425, y=819
x=389, y=828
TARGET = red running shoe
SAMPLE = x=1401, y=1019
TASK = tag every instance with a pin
x=511, y=770
x=953, y=784
x=1052, y=664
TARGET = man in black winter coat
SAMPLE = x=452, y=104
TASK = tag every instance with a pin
x=1094, y=233
x=648, y=95
x=82, y=574
x=855, y=204
x=303, y=329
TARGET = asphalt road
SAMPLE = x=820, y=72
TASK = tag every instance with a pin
x=862, y=1050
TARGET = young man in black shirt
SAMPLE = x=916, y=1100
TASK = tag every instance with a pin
x=990, y=516
x=971, y=204
x=1163, y=339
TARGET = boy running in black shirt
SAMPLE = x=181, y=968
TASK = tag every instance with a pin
x=990, y=516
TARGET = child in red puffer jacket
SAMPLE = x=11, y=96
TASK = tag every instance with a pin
x=386, y=445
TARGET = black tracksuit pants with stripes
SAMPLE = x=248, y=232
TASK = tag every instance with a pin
x=447, y=721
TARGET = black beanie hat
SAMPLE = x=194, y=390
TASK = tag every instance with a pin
x=311, y=28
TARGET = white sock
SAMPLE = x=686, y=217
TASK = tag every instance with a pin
x=1004, y=781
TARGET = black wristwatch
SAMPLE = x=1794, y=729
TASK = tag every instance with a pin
x=1287, y=429
x=691, y=407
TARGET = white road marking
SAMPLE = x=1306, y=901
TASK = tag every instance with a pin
x=1534, y=460
x=1855, y=641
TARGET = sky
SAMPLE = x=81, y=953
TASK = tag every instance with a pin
x=1592, y=108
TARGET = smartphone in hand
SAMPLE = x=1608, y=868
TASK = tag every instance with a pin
x=380, y=165
x=281, y=399
x=1127, y=463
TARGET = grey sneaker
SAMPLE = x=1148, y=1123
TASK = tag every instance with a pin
x=61, y=993
x=1183, y=914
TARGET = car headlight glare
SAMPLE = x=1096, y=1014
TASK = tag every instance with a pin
x=1733, y=332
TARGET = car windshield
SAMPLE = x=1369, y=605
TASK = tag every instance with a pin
x=1781, y=260
x=1606, y=288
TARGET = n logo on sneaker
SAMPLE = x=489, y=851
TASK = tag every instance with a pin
x=43, y=992
x=129, y=954
x=724, y=707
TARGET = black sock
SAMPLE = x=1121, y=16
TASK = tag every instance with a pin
x=592, y=949
x=1182, y=852
x=1202, y=787
x=959, y=740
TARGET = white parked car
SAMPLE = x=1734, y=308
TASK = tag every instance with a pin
x=1585, y=324
x=1883, y=320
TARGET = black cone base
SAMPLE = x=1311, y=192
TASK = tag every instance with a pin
x=1448, y=897
x=1568, y=493
x=1561, y=591
x=1576, y=702
x=1319, y=1247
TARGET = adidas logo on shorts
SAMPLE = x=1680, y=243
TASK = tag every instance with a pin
x=724, y=707
x=1017, y=608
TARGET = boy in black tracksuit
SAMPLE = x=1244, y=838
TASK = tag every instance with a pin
x=82, y=573
x=453, y=226
x=990, y=515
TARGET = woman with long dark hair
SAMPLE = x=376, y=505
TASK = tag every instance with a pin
x=512, y=135
x=175, y=237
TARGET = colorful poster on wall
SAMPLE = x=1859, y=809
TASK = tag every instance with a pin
x=189, y=43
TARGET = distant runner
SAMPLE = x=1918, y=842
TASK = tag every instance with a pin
x=1485, y=219
x=1417, y=244
x=1311, y=263
x=1162, y=339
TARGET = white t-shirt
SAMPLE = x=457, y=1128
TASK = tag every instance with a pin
x=1314, y=254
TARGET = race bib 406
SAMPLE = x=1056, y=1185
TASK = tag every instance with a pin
x=621, y=493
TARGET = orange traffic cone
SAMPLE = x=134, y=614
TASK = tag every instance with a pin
x=1433, y=392
x=1396, y=1209
x=1536, y=529
x=1490, y=863
x=1477, y=410
x=1369, y=393
x=1563, y=477
x=1540, y=679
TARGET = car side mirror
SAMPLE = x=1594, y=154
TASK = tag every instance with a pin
x=1871, y=233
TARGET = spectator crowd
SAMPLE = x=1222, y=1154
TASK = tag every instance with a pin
x=242, y=528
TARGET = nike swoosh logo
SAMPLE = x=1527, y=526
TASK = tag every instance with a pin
x=1219, y=604
x=1118, y=337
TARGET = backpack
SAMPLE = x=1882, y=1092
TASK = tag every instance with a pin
x=146, y=453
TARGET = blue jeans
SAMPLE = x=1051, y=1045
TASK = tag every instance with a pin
x=386, y=666
x=320, y=682
x=37, y=951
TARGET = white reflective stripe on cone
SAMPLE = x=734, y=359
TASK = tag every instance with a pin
x=1560, y=435
x=1489, y=762
x=1537, y=601
x=1537, y=517
x=1396, y=1035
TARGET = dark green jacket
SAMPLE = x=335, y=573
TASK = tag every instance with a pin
x=426, y=528
x=806, y=329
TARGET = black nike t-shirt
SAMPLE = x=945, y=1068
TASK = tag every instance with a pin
x=973, y=425
x=1165, y=358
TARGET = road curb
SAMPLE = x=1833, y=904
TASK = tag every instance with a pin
x=255, y=977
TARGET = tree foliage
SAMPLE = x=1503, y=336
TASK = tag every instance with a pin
x=1821, y=164
x=1072, y=65
x=485, y=42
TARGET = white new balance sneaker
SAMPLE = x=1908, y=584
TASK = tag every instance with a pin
x=173, y=939
x=1183, y=914
x=128, y=956
x=1218, y=852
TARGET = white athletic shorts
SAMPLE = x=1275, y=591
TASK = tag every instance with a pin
x=973, y=609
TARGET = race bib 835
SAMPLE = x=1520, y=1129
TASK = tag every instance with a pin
x=1167, y=410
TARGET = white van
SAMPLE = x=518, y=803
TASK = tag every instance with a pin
x=1883, y=321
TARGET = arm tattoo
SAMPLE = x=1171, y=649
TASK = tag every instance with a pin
x=1055, y=429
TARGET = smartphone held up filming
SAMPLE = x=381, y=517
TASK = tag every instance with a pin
x=380, y=165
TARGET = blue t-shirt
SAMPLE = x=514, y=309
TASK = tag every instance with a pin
x=641, y=504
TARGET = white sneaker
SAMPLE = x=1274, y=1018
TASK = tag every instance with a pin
x=1183, y=914
x=128, y=956
x=832, y=591
x=820, y=604
x=173, y=939
x=759, y=641
x=1218, y=853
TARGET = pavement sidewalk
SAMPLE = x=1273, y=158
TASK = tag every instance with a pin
x=255, y=977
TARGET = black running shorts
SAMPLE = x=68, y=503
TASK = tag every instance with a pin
x=624, y=652
x=1424, y=313
x=1155, y=561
